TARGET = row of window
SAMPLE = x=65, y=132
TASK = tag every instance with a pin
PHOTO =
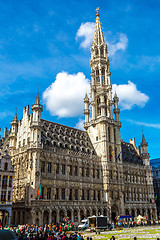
x=134, y=178
x=60, y=194
x=73, y=170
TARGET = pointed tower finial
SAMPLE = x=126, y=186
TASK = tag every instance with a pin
x=98, y=34
x=143, y=138
x=37, y=102
x=97, y=12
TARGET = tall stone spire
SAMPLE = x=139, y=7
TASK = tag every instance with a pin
x=101, y=99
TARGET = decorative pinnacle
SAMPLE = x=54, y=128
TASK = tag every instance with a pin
x=97, y=12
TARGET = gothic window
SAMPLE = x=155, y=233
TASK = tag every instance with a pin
x=63, y=169
x=98, y=173
x=76, y=194
x=6, y=166
x=57, y=168
x=57, y=194
x=43, y=166
x=110, y=153
x=70, y=170
x=82, y=171
x=70, y=194
x=96, y=51
x=93, y=173
x=97, y=76
x=48, y=193
x=63, y=193
x=4, y=182
x=102, y=51
x=109, y=134
x=99, y=198
x=10, y=181
x=3, y=196
x=9, y=195
x=115, y=135
x=76, y=171
x=94, y=195
x=98, y=107
x=82, y=194
x=42, y=194
x=87, y=172
x=103, y=75
x=49, y=167
x=88, y=195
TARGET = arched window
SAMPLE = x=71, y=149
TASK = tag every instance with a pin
x=109, y=134
x=96, y=51
x=115, y=135
x=103, y=75
x=110, y=153
x=97, y=76
x=102, y=51
x=98, y=108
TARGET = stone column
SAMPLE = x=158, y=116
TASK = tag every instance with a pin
x=79, y=219
x=57, y=215
x=72, y=217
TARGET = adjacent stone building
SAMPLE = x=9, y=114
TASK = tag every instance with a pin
x=6, y=181
x=81, y=173
x=155, y=163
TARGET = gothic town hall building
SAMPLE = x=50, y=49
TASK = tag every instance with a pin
x=82, y=173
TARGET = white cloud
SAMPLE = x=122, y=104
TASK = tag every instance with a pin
x=129, y=95
x=153, y=125
x=120, y=45
x=86, y=31
x=64, y=97
x=80, y=124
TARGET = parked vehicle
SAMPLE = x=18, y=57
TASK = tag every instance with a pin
x=99, y=223
x=84, y=224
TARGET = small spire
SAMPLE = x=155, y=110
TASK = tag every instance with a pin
x=37, y=102
x=86, y=99
x=15, y=117
x=143, y=138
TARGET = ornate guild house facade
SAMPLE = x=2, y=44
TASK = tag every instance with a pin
x=81, y=173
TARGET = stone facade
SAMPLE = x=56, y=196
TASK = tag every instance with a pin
x=6, y=181
x=81, y=173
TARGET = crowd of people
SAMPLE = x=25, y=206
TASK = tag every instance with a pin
x=64, y=231
x=46, y=232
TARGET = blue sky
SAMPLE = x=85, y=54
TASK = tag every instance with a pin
x=41, y=43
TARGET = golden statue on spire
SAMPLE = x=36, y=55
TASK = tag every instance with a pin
x=97, y=12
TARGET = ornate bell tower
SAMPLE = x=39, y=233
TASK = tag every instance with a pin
x=104, y=128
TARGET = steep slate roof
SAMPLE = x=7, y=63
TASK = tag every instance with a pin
x=129, y=154
x=63, y=137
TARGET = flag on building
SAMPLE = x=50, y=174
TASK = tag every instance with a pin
x=111, y=154
x=119, y=156
x=39, y=192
